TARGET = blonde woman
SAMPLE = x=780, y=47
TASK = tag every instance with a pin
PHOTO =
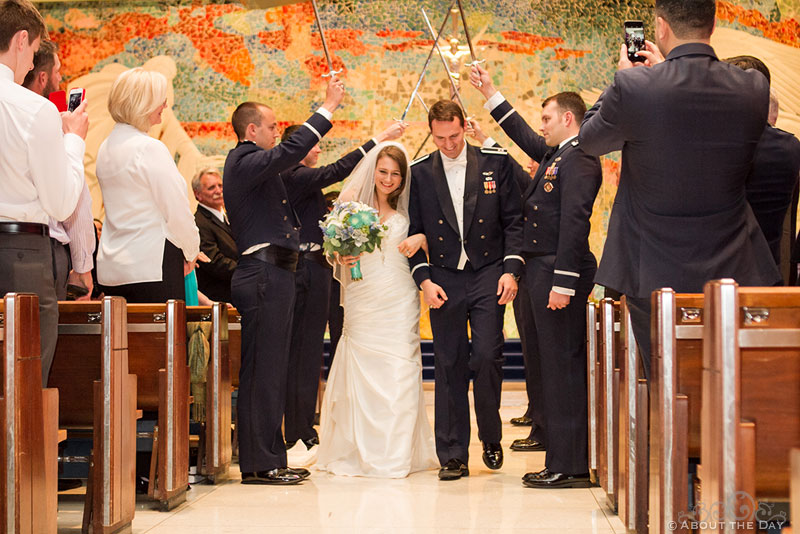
x=149, y=241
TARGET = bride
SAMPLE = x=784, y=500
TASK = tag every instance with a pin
x=373, y=414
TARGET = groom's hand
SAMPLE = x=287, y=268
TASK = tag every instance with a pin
x=434, y=295
x=506, y=288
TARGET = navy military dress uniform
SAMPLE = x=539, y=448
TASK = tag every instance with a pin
x=688, y=129
x=492, y=230
x=772, y=182
x=557, y=207
x=262, y=287
x=312, y=290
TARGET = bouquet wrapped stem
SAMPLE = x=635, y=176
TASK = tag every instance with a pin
x=351, y=229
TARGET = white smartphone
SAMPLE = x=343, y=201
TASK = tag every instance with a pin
x=76, y=96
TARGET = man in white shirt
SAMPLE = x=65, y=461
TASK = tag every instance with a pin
x=73, y=239
x=41, y=166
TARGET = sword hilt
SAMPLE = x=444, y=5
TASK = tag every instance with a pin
x=332, y=73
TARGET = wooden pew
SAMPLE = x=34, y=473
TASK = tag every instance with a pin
x=216, y=440
x=675, y=393
x=592, y=371
x=633, y=427
x=235, y=344
x=610, y=355
x=157, y=356
x=750, y=401
x=92, y=355
x=29, y=419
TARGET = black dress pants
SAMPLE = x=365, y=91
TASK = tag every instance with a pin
x=264, y=296
x=471, y=298
x=523, y=313
x=561, y=338
x=312, y=295
x=171, y=285
x=26, y=266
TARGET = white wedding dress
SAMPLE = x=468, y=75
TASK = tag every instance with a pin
x=373, y=415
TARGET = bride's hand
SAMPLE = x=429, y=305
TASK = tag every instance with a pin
x=412, y=244
x=348, y=261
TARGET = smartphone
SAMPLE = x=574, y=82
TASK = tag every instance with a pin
x=634, y=39
x=75, y=98
x=59, y=98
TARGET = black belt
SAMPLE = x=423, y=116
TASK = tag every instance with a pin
x=8, y=227
x=317, y=256
x=280, y=257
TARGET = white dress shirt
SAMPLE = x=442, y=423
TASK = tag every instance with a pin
x=40, y=166
x=456, y=172
x=77, y=231
x=145, y=199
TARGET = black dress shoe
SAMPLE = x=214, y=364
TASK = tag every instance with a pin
x=522, y=421
x=273, y=476
x=558, y=480
x=311, y=442
x=493, y=455
x=537, y=474
x=453, y=470
x=300, y=471
x=526, y=445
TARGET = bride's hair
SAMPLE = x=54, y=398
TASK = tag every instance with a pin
x=399, y=157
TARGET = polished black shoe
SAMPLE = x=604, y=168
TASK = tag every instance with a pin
x=526, y=445
x=558, y=480
x=522, y=421
x=534, y=475
x=301, y=471
x=453, y=470
x=281, y=476
x=311, y=442
x=493, y=455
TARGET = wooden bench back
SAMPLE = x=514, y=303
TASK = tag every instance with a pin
x=28, y=417
x=235, y=344
x=217, y=449
x=610, y=356
x=751, y=394
x=592, y=371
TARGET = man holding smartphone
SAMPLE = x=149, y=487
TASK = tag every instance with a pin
x=688, y=128
x=73, y=238
x=42, y=168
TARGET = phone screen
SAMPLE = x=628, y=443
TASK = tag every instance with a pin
x=634, y=39
x=74, y=100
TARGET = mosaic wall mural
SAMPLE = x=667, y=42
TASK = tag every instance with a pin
x=227, y=53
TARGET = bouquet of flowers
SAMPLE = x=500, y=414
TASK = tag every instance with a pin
x=350, y=229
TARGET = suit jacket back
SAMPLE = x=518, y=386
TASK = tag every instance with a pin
x=688, y=129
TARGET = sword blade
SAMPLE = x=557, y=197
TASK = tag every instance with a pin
x=466, y=31
x=322, y=36
x=427, y=62
x=424, y=105
x=421, y=146
x=444, y=64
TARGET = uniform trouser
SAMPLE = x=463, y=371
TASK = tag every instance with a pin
x=530, y=354
x=264, y=296
x=561, y=338
x=471, y=298
x=312, y=295
x=61, y=267
x=26, y=266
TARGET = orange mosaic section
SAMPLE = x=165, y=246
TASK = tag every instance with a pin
x=341, y=40
x=611, y=170
x=218, y=130
x=530, y=43
x=225, y=53
x=318, y=65
x=564, y=53
x=786, y=32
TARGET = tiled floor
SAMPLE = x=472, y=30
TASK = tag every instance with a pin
x=486, y=502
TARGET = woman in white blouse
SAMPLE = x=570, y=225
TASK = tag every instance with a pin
x=149, y=239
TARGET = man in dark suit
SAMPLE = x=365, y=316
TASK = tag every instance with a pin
x=304, y=183
x=216, y=239
x=688, y=128
x=773, y=177
x=466, y=201
x=559, y=274
x=267, y=234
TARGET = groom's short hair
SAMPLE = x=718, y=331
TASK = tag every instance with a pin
x=445, y=111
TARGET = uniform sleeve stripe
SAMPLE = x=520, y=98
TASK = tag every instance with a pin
x=504, y=117
x=314, y=130
x=514, y=257
x=567, y=273
x=418, y=266
x=361, y=148
x=564, y=290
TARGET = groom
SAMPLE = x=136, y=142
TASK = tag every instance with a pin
x=466, y=201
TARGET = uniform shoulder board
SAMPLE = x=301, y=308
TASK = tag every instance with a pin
x=423, y=158
x=494, y=150
x=575, y=142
